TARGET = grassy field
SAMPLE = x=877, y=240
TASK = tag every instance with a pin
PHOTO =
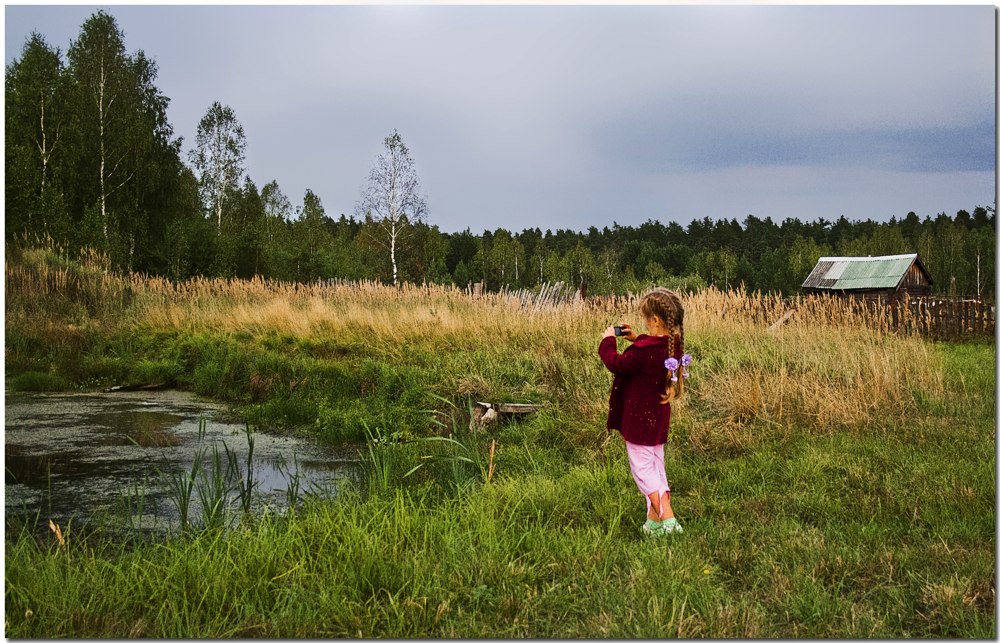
x=833, y=479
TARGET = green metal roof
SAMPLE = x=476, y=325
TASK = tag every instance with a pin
x=859, y=273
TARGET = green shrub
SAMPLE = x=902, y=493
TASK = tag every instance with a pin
x=36, y=381
x=154, y=371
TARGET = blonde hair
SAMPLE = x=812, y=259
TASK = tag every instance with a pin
x=666, y=305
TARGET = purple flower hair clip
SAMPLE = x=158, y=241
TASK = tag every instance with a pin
x=672, y=365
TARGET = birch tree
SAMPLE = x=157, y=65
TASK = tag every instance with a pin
x=101, y=72
x=125, y=163
x=33, y=96
x=506, y=258
x=35, y=119
x=392, y=197
x=277, y=209
x=122, y=165
x=219, y=156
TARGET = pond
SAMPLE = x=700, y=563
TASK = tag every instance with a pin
x=134, y=460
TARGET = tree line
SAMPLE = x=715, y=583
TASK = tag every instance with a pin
x=92, y=161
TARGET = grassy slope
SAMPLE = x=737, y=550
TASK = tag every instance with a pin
x=868, y=512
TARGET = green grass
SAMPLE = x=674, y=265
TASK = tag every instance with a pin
x=35, y=381
x=822, y=542
x=885, y=535
x=793, y=527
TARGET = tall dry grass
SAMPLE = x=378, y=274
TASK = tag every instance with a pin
x=830, y=364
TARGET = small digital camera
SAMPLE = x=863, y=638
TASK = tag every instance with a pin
x=620, y=331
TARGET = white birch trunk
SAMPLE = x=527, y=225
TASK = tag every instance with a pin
x=100, y=118
x=979, y=289
x=392, y=253
x=43, y=148
x=220, y=176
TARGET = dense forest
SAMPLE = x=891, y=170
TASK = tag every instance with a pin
x=92, y=161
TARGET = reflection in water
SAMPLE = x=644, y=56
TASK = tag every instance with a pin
x=27, y=468
x=76, y=457
x=142, y=428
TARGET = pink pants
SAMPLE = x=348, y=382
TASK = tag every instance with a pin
x=648, y=471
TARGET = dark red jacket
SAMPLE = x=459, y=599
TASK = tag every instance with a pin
x=640, y=379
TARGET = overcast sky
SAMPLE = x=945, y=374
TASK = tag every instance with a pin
x=573, y=116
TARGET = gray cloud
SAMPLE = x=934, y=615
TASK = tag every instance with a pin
x=567, y=116
x=702, y=145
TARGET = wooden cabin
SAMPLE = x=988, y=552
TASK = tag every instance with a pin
x=883, y=278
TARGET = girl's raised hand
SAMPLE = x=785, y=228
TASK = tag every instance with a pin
x=629, y=333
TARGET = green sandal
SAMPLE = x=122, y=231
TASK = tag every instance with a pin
x=671, y=526
x=652, y=527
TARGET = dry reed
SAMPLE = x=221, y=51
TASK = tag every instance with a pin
x=831, y=363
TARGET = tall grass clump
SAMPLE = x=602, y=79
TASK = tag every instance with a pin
x=245, y=483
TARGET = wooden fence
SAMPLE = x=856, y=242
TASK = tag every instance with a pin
x=945, y=317
x=547, y=295
x=933, y=316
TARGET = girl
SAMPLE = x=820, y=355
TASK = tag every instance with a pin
x=641, y=395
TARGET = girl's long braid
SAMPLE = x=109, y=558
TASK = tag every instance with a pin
x=679, y=327
x=666, y=305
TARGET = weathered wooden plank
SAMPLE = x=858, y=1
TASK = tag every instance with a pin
x=781, y=321
x=510, y=407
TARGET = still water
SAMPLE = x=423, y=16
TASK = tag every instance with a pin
x=116, y=459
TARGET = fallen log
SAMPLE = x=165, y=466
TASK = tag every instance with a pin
x=138, y=387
